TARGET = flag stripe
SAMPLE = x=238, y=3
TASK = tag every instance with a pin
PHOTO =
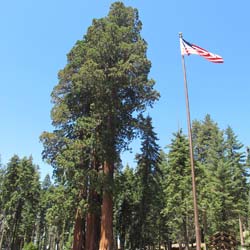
x=188, y=48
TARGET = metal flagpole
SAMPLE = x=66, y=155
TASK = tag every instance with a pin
x=196, y=216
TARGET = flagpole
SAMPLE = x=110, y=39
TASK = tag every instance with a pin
x=196, y=216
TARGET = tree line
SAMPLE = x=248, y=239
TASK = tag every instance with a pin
x=94, y=202
x=152, y=202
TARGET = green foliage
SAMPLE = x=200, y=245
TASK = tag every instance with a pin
x=221, y=177
x=30, y=246
x=147, y=174
x=46, y=184
x=177, y=189
x=69, y=242
x=2, y=173
x=99, y=102
x=126, y=201
x=20, y=196
x=138, y=196
x=62, y=203
x=238, y=170
x=152, y=203
x=101, y=92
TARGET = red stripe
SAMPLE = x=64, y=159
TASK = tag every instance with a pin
x=209, y=56
x=202, y=52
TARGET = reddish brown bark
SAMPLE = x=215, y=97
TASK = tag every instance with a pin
x=78, y=243
x=92, y=242
x=90, y=234
x=93, y=223
x=106, y=241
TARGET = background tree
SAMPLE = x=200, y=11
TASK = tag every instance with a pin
x=147, y=176
x=20, y=195
x=220, y=177
x=209, y=147
x=2, y=215
x=164, y=231
x=236, y=159
x=126, y=200
x=58, y=216
x=29, y=187
x=152, y=202
x=177, y=188
x=45, y=202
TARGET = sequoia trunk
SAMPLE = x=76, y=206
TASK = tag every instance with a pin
x=93, y=223
x=78, y=243
x=106, y=241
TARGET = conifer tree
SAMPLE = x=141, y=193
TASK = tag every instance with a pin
x=45, y=203
x=46, y=183
x=239, y=172
x=29, y=186
x=59, y=215
x=2, y=173
x=236, y=160
x=20, y=195
x=178, y=190
x=101, y=94
x=11, y=199
x=2, y=214
x=221, y=176
x=125, y=203
x=147, y=173
x=209, y=149
x=162, y=218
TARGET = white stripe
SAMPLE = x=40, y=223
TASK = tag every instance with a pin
x=186, y=49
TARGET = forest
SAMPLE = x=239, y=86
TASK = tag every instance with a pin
x=93, y=201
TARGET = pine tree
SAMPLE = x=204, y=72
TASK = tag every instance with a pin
x=59, y=214
x=236, y=160
x=209, y=149
x=46, y=184
x=221, y=212
x=162, y=217
x=126, y=200
x=20, y=194
x=45, y=203
x=221, y=177
x=11, y=199
x=2, y=173
x=2, y=214
x=178, y=189
x=247, y=163
x=30, y=191
x=147, y=173
x=239, y=173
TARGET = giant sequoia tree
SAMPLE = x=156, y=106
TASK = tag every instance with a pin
x=98, y=102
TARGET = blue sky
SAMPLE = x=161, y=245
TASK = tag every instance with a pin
x=37, y=35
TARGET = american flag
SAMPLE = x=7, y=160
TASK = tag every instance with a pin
x=188, y=48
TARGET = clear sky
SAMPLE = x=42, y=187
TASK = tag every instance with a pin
x=37, y=35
